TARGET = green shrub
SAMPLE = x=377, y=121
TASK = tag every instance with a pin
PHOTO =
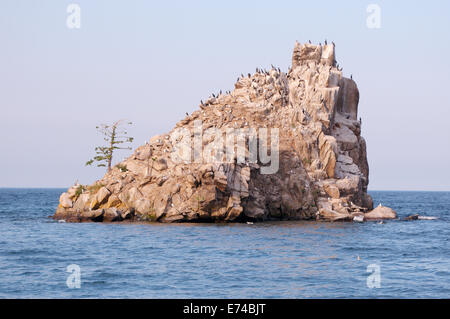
x=79, y=191
x=148, y=217
x=122, y=168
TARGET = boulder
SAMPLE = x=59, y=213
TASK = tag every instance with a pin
x=92, y=215
x=381, y=212
x=112, y=215
x=129, y=214
x=331, y=215
x=100, y=198
x=113, y=201
x=65, y=201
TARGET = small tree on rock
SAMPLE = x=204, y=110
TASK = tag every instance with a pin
x=115, y=136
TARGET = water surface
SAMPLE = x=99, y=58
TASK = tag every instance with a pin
x=263, y=260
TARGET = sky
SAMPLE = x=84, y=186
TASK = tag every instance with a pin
x=151, y=61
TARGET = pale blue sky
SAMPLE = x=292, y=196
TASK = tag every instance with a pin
x=150, y=62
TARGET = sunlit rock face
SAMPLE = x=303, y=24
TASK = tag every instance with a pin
x=312, y=165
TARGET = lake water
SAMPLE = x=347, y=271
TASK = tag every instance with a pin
x=263, y=260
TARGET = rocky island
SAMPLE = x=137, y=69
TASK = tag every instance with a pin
x=310, y=163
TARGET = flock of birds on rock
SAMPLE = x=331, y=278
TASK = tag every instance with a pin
x=259, y=71
x=320, y=43
x=265, y=72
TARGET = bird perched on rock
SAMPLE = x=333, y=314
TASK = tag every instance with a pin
x=326, y=42
x=351, y=76
x=187, y=114
x=309, y=41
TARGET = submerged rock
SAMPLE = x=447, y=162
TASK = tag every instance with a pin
x=310, y=161
x=412, y=217
x=427, y=218
x=418, y=217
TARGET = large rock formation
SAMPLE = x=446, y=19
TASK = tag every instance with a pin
x=317, y=167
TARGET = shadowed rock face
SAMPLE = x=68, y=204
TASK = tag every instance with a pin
x=348, y=98
x=322, y=172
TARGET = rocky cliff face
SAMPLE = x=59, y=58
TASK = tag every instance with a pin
x=312, y=165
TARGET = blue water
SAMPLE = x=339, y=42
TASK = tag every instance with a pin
x=265, y=260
